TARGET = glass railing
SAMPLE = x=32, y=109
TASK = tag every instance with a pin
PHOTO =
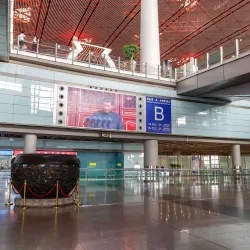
x=111, y=186
x=114, y=185
x=94, y=59
x=4, y=174
x=222, y=54
x=155, y=174
x=91, y=58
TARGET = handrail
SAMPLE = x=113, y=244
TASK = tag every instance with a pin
x=160, y=169
x=97, y=57
x=205, y=61
x=91, y=56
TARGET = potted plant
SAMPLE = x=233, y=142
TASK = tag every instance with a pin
x=176, y=168
x=130, y=52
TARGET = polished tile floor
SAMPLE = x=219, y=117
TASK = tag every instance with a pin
x=176, y=214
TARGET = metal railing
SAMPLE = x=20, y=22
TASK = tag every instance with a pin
x=156, y=173
x=89, y=57
x=4, y=175
x=147, y=174
x=231, y=51
x=111, y=186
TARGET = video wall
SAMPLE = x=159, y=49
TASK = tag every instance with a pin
x=104, y=110
x=108, y=110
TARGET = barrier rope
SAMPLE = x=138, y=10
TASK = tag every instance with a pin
x=41, y=195
x=68, y=195
x=15, y=191
x=75, y=190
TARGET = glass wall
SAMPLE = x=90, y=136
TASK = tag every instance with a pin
x=186, y=161
x=223, y=162
x=163, y=161
x=98, y=164
x=247, y=162
x=133, y=160
x=206, y=162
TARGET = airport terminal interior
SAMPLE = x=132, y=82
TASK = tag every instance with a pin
x=124, y=125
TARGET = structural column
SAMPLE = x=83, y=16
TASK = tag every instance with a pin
x=149, y=37
x=4, y=30
x=236, y=158
x=30, y=144
x=151, y=153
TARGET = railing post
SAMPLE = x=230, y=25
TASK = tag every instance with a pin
x=86, y=176
x=89, y=58
x=185, y=70
x=207, y=60
x=105, y=178
x=175, y=74
x=86, y=186
x=119, y=64
x=17, y=45
x=37, y=47
x=9, y=203
x=158, y=72
x=78, y=203
x=195, y=65
x=56, y=52
x=221, y=54
x=237, y=47
x=104, y=62
x=73, y=55
x=146, y=70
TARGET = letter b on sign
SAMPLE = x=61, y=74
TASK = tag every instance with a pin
x=159, y=116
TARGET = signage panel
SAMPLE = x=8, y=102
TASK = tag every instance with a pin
x=49, y=152
x=195, y=163
x=158, y=115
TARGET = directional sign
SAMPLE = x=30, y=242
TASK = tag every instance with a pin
x=158, y=115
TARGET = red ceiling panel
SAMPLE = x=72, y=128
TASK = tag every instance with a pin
x=187, y=27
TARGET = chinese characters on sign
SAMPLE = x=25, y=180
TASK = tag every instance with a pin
x=158, y=116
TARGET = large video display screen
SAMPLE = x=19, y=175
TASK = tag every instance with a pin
x=98, y=109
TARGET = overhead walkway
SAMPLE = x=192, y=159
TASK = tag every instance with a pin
x=223, y=75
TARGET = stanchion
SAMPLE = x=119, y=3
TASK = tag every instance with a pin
x=24, y=195
x=78, y=203
x=76, y=191
x=56, y=206
x=9, y=197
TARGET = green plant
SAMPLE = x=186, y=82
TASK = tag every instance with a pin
x=131, y=51
x=177, y=166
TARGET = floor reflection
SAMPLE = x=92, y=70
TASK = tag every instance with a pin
x=180, y=213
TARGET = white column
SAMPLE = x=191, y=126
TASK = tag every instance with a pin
x=30, y=144
x=236, y=158
x=151, y=153
x=11, y=23
x=149, y=37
